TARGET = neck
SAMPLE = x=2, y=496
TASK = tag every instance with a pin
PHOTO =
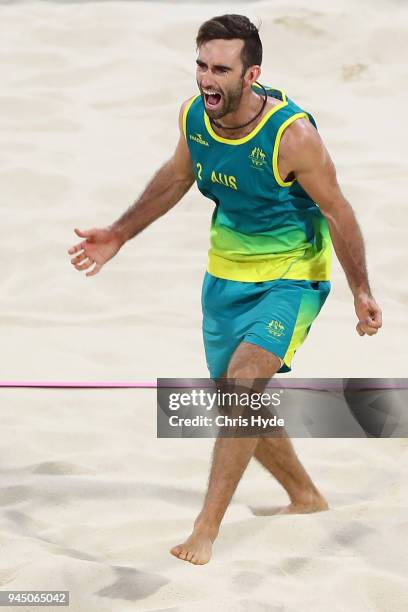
x=246, y=116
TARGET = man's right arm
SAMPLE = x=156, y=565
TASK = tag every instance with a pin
x=165, y=189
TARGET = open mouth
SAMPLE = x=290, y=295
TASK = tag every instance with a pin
x=212, y=99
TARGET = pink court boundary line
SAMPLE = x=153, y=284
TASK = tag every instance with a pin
x=79, y=385
x=294, y=385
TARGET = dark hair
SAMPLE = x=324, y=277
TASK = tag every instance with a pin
x=228, y=27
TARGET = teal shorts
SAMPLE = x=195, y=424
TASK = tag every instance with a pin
x=275, y=315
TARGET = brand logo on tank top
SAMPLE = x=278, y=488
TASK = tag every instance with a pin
x=198, y=138
x=258, y=158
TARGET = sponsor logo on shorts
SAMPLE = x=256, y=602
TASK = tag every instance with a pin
x=198, y=138
x=276, y=328
x=258, y=158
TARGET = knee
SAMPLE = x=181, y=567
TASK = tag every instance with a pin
x=246, y=374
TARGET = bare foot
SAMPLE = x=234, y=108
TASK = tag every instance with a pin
x=197, y=548
x=314, y=504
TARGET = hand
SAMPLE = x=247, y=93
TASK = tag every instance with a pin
x=99, y=246
x=369, y=314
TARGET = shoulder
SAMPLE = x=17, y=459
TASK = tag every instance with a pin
x=299, y=132
x=187, y=102
x=184, y=108
x=301, y=140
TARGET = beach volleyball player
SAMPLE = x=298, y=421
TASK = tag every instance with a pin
x=278, y=208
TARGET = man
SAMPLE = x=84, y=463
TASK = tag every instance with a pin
x=278, y=205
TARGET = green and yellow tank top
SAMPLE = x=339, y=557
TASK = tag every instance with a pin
x=262, y=228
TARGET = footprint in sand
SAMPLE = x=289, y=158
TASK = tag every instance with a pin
x=353, y=72
x=132, y=584
x=58, y=468
x=300, y=24
x=247, y=581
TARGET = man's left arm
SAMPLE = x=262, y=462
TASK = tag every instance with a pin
x=305, y=153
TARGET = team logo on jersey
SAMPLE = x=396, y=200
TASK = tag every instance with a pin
x=276, y=328
x=258, y=158
x=198, y=138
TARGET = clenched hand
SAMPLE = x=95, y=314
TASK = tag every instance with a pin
x=369, y=314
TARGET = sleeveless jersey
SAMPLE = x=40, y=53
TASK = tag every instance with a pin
x=262, y=228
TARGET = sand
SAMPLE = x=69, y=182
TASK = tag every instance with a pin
x=91, y=500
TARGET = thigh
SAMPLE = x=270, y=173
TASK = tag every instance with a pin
x=250, y=369
x=250, y=361
x=225, y=320
x=284, y=318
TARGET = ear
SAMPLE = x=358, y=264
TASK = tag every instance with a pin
x=252, y=74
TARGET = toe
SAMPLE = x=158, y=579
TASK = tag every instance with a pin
x=201, y=561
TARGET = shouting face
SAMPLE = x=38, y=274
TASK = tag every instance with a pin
x=219, y=76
